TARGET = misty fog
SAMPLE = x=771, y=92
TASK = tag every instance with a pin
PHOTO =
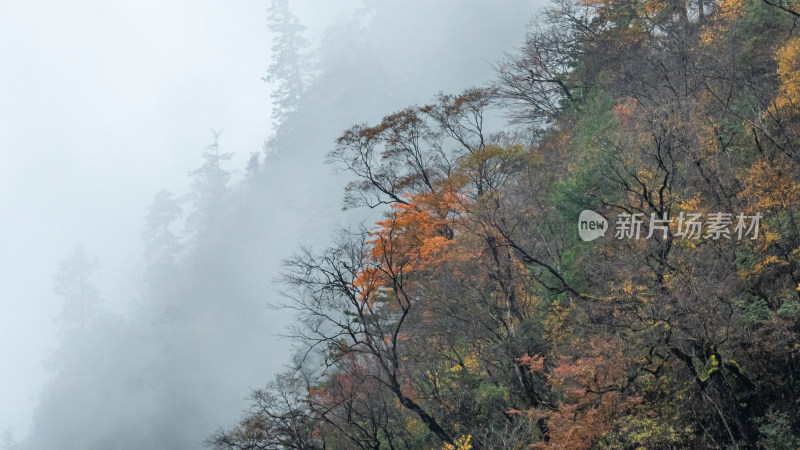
x=151, y=186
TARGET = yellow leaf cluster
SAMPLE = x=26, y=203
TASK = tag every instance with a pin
x=770, y=185
x=788, y=58
x=727, y=11
x=461, y=443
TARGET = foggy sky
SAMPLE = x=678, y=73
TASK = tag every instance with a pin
x=102, y=104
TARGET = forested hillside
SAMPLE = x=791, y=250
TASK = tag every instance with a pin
x=473, y=315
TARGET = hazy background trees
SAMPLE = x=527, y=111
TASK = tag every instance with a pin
x=198, y=334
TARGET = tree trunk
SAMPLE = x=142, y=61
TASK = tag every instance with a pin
x=426, y=418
